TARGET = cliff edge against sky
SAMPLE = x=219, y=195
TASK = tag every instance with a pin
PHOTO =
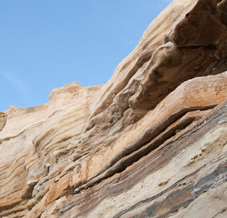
x=152, y=142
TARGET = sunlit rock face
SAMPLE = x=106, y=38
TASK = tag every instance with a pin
x=3, y=119
x=152, y=142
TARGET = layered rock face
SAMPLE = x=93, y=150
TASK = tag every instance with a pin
x=3, y=119
x=152, y=142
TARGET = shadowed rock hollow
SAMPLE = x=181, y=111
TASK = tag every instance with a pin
x=152, y=142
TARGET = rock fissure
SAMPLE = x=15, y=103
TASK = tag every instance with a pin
x=150, y=143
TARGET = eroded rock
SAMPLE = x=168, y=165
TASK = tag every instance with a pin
x=152, y=142
x=3, y=120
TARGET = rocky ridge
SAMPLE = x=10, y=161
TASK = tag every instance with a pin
x=149, y=143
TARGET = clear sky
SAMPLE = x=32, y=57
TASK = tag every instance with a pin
x=45, y=44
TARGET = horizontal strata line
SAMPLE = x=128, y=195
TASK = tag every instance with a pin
x=15, y=209
x=39, y=145
x=215, y=114
x=15, y=136
x=147, y=136
x=146, y=149
x=115, y=166
x=8, y=207
x=73, y=204
x=177, y=184
x=199, y=125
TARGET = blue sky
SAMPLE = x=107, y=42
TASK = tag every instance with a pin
x=45, y=44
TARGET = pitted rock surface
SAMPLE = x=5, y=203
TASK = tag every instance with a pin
x=152, y=142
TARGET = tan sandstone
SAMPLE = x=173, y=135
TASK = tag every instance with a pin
x=152, y=142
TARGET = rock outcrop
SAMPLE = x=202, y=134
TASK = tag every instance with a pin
x=152, y=142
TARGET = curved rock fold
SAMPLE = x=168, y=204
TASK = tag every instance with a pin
x=152, y=142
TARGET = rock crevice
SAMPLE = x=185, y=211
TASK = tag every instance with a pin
x=152, y=142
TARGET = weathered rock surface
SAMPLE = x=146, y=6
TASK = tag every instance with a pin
x=152, y=142
x=3, y=119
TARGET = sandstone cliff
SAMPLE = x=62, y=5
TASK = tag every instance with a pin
x=152, y=142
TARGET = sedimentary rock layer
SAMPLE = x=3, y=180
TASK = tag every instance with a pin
x=152, y=142
x=3, y=119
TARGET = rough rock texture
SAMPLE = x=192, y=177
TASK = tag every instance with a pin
x=3, y=119
x=152, y=142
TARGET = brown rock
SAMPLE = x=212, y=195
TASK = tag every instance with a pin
x=152, y=142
